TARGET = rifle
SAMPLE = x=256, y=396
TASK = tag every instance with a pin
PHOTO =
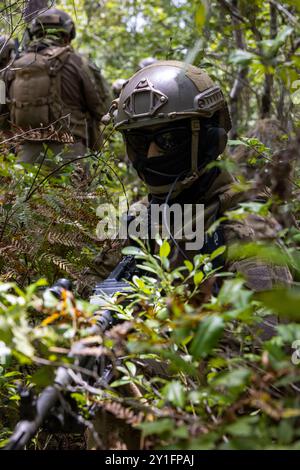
x=35, y=414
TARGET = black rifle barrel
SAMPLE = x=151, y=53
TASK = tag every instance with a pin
x=26, y=429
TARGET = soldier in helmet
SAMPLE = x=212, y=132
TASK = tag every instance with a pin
x=56, y=97
x=174, y=121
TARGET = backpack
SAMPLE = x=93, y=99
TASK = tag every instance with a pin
x=35, y=90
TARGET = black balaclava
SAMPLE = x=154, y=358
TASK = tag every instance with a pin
x=165, y=169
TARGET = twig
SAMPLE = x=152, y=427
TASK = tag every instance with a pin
x=283, y=10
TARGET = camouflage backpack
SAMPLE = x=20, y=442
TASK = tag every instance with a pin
x=35, y=88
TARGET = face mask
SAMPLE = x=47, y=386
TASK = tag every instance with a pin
x=163, y=170
x=173, y=141
x=175, y=163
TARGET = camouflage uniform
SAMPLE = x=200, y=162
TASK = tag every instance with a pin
x=219, y=199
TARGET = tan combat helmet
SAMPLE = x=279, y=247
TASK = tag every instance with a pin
x=52, y=19
x=168, y=91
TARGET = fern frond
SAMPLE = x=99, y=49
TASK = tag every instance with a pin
x=61, y=263
x=66, y=239
x=123, y=413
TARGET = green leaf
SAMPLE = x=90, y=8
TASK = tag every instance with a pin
x=219, y=251
x=241, y=57
x=242, y=427
x=147, y=268
x=198, y=278
x=289, y=333
x=200, y=16
x=165, y=249
x=131, y=367
x=263, y=251
x=189, y=265
x=160, y=426
x=284, y=33
x=233, y=293
x=285, y=431
x=132, y=250
x=175, y=393
x=43, y=376
x=284, y=302
x=271, y=46
x=237, y=142
x=207, y=336
x=12, y=374
x=295, y=96
x=235, y=379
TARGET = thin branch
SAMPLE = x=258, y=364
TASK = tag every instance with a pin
x=233, y=11
x=283, y=10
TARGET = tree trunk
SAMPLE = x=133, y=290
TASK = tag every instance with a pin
x=266, y=100
x=238, y=84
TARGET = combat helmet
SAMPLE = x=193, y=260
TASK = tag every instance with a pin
x=7, y=46
x=52, y=19
x=169, y=91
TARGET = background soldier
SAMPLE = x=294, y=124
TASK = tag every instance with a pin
x=120, y=82
x=117, y=86
x=146, y=61
x=56, y=97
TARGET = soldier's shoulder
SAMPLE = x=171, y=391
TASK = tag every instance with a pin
x=75, y=56
x=86, y=62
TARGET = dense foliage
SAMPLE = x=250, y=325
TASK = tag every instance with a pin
x=223, y=384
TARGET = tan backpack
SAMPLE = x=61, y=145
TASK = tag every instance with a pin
x=35, y=90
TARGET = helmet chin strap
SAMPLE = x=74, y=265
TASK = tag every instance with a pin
x=195, y=171
x=195, y=126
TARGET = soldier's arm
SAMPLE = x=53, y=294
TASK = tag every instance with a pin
x=96, y=90
x=260, y=274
